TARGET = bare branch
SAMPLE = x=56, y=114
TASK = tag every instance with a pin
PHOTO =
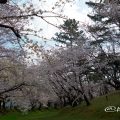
x=15, y=87
x=12, y=28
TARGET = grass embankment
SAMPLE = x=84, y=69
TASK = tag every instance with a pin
x=94, y=112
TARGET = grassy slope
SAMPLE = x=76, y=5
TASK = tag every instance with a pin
x=93, y=112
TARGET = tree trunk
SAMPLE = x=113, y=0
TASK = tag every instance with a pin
x=3, y=105
x=86, y=100
x=90, y=95
x=0, y=105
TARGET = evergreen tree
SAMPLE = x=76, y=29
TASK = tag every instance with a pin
x=106, y=32
x=100, y=28
x=69, y=34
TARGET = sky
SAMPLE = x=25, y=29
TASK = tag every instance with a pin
x=76, y=10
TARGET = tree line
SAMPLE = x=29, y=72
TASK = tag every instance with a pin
x=86, y=63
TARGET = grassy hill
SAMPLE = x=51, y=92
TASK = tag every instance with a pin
x=94, y=112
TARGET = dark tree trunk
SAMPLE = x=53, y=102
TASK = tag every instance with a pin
x=40, y=105
x=3, y=105
x=0, y=105
x=86, y=100
x=90, y=95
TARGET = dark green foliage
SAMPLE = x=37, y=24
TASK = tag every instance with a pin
x=103, y=29
x=93, y=4
x=105, y=32
x=69, y=34
x=96, y=17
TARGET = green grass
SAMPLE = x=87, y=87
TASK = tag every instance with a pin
x=94, y=112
